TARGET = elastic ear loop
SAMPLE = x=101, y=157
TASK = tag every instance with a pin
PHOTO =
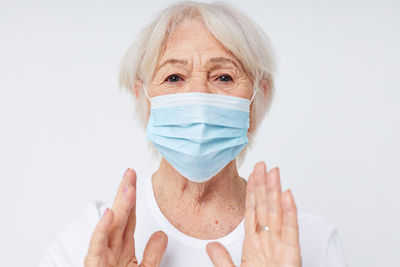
x=251, y=100
x=255, y=92
x=145, y=91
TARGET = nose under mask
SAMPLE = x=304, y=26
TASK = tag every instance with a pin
x=198, y=133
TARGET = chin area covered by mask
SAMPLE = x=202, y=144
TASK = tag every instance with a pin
x=198, y=133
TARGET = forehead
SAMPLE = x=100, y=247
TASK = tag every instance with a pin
x=191, y=40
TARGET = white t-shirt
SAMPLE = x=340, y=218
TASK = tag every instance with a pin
x=319, y=242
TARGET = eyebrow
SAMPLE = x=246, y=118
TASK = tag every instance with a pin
x=173, y=61
x=214, y=60
x=221, y=60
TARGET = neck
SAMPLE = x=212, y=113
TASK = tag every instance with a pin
x=225, y=188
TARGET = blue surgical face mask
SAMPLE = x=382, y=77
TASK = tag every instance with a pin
x=198, y=133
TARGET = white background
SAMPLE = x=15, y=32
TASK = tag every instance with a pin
x=67, y=133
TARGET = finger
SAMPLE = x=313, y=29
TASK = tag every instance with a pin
x=274, y=216
x=218, y=254
x=129, y=177
x=155, y=249
x=99, y=240
x=123, y=204
x=250, y=223
x=260, y=181
x=290, y=227
x=128, y=247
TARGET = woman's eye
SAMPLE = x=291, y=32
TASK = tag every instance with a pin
x=173, y=78
x=225, y=78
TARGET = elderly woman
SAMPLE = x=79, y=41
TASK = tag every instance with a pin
x=203, y=78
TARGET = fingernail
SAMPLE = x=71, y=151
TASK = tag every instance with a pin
x=273, y=179
x=291, y=199
x=126, y=171
x=105, y=212
x=126, y=188
x=259, y=170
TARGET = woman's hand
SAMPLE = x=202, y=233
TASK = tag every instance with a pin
x=112, y=242
x=266, y=205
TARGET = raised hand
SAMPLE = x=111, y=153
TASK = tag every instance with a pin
x=112, y=242
x=266, y=205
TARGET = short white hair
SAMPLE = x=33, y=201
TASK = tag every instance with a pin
x=233, y=29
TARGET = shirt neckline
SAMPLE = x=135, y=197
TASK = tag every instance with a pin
x=173, y=232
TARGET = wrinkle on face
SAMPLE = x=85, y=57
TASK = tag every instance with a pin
x=200, y=60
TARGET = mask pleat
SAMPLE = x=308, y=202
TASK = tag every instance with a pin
x=199, y=169
x=199, y=114
x=201, y=148
x=196, y=131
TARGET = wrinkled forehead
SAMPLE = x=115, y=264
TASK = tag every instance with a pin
x=192, y=43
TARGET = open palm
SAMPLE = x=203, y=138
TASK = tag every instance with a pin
x=266, y=205
x=112, y=243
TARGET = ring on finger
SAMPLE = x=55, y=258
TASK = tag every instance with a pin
x=265, y=228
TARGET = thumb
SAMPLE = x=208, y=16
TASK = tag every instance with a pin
x=155, y=249
x=218, y=254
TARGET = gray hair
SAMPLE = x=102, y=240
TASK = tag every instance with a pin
x=233, y=29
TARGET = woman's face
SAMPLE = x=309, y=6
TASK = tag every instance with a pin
x=194, y=61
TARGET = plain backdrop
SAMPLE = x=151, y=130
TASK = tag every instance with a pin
x=68, y=133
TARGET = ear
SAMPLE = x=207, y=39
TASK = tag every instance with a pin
x=263, y=89
x=138, y=85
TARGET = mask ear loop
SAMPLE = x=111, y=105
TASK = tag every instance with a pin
x=145, y=91
x=251, y=100
x=254, y=94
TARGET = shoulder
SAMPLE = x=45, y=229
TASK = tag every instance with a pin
x=70, y=245
x=317, y=223
x=319, y=241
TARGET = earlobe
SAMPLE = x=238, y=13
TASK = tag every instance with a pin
x=264, y=86
x=252, y=126
x=138, y=85
x=263, y=89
